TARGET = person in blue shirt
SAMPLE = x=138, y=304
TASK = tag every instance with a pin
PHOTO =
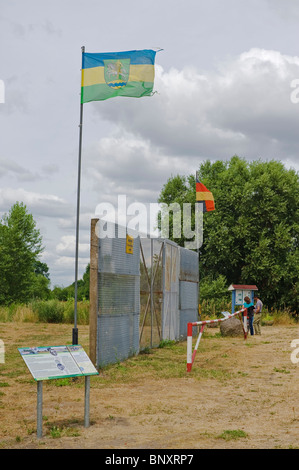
x=250, y=313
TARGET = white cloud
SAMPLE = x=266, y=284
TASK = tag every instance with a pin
x=48, y=205
x=243, y=108
x=66, y=247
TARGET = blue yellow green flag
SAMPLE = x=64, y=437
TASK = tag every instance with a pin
x=109, y=74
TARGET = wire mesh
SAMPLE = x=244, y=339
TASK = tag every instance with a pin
x=118, y=296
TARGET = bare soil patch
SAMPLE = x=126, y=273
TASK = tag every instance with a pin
x=239, y=394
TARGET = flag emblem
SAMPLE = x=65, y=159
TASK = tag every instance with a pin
x=116, y=73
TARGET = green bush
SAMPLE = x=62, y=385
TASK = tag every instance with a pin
x=48, y=311
x=213, y=308
x=214, y=297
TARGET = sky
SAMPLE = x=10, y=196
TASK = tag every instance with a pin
x=225, y=85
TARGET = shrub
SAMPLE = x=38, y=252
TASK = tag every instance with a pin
x=48, y=311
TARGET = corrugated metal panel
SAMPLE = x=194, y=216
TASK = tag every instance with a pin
x=188, y=295
x=188, y=265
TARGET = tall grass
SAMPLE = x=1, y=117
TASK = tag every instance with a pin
x=56, y=311
x=46, y=311
x=274, y=316
x=278, y=317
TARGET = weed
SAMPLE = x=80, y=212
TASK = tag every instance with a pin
x=146, y=350
x=62, y=382
x=167, y=343
x=229, y=435
x=282, y=371
x=55, y=432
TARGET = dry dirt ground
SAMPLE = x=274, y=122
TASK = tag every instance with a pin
x=254, y=405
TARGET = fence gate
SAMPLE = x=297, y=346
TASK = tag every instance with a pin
x=151, y=291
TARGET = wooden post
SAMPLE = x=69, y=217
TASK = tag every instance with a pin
x=93, y=292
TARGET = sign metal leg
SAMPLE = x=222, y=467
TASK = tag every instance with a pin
x=87, y=395
x=40, y=409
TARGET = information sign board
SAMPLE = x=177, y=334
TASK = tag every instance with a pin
x=240, y=294
x=54, y=362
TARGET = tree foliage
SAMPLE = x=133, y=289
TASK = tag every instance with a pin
x=252, y=237
x=66, y=293
x=20, y=247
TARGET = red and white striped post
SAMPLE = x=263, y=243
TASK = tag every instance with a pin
x=189, y=347
x=190, y=356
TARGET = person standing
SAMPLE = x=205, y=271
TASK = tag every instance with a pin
x=250, y=313
x=257, y=314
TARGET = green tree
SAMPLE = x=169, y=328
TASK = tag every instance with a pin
x=65, y=293
x=253, y=235
x=20, y=246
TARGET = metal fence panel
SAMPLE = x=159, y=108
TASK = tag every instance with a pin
x=118, y=296
x=144, y=296
x=188, y=265
x=170, y=315
x=151, y=294
x=188, y=295
x=189, y=282
x=112, y=251
x=118, y=337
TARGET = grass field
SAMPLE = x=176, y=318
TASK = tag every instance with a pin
x=240, y=394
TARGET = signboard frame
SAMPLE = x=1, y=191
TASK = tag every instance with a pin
x=56, y=362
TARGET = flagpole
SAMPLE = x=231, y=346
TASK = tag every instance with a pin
x=75, y=329
x=198, y=290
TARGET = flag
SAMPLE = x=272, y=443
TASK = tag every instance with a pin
x=205, y=196
x=110, y=74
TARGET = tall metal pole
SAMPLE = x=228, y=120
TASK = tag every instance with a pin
x=197, y=235
x=152, y=288
x=75, y=329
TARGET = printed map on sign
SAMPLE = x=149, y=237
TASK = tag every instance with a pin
x=54, y=362
x=240, y=294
